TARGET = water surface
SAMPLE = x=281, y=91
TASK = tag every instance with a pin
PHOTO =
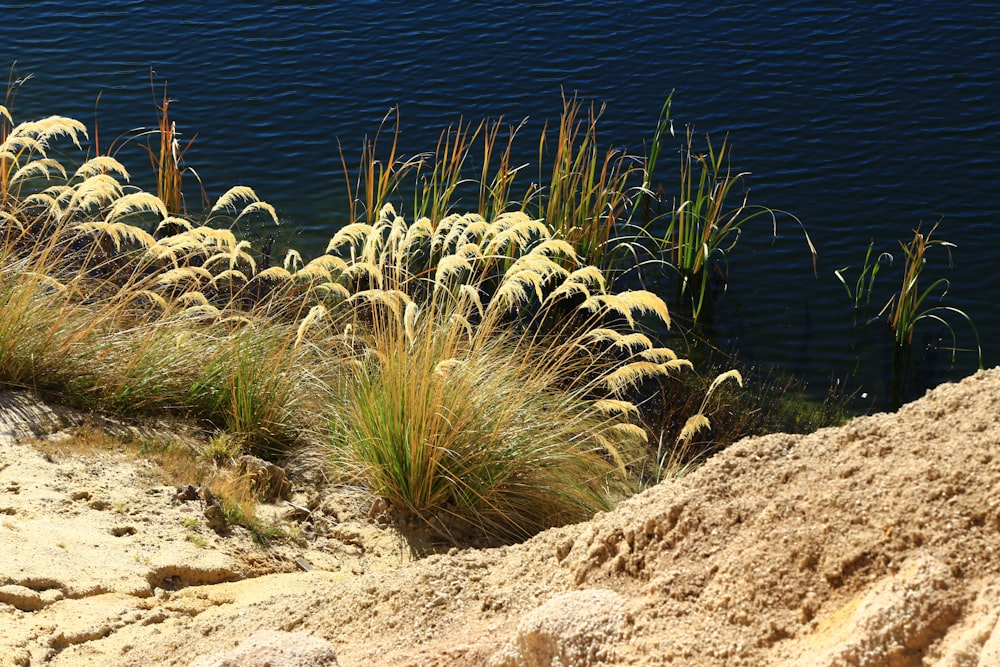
x=863, y=119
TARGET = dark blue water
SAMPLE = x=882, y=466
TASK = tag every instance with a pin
x=863, y=119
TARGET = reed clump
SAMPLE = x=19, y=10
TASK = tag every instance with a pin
x=478, y=372
x=705, y=220
x=912, y=303
x=584, y=192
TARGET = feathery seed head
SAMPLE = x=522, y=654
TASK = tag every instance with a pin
x=174, y=276
x=353, y=234
x=230, y=275
x=101, y=164
x=631, y=431
x=274, y=274
x=293, y=260
x=335, y=289
x=136, y=202
x=41, y=168
x=658, y=354
x=631, y=374
x=192, y=298
x=694, y=424
x=256, y=206
x=410, y=316
x=444, y=368
x=610, y=406
x=173, y=221
x=233, y=195
x=315, y=314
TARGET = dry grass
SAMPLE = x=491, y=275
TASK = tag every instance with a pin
x=458, y=366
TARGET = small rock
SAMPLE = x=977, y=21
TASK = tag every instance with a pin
x=186, y=493
x=270, y=648
x=269, y=480
x=21, y=598
x=570, y=629
x=214, y=516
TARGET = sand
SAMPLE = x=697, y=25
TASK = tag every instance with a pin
x=877, y=543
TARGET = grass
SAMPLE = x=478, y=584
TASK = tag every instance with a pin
x=451, y=431
x=167, y=159
x=907, y=307
x=706, y=220
x=483, y=372
x=490, y=389
x=587, y=194
x=112, y=301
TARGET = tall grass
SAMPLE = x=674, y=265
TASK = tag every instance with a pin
x=464, y=433
x=495, y=364
x=473, y=371
x=587, y=194
x=591, y=190
x=908, y=306
x=96, y=308
x=167, y=158
x=706, y=220
x=478, y=370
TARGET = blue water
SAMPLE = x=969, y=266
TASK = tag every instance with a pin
x=863, y=119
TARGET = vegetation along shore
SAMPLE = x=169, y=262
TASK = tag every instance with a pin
x=487, y=372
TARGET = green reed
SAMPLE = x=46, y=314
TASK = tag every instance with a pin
x=908, y=306
x=707, y=217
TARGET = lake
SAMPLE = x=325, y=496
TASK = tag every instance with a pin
x=862, y=119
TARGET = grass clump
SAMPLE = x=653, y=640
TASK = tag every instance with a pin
x=103, y=307
x=463, y=434
x=907, y=307
x=147, y=311
x=479, y=371
x=491, y=388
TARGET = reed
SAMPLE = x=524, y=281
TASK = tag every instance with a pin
x=706, y=220
x=908, y=306
x=591, y=190
x=864, y=286
x=167, y=159
x=586, y=197
x=377, y=179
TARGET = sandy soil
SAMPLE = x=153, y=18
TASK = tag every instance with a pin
x=873, y=544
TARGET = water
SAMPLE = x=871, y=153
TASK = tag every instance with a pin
x=863, y=119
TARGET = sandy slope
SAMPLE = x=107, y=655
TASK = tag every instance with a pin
x=873, y=544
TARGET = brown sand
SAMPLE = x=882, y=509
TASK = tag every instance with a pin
x=874, y=544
